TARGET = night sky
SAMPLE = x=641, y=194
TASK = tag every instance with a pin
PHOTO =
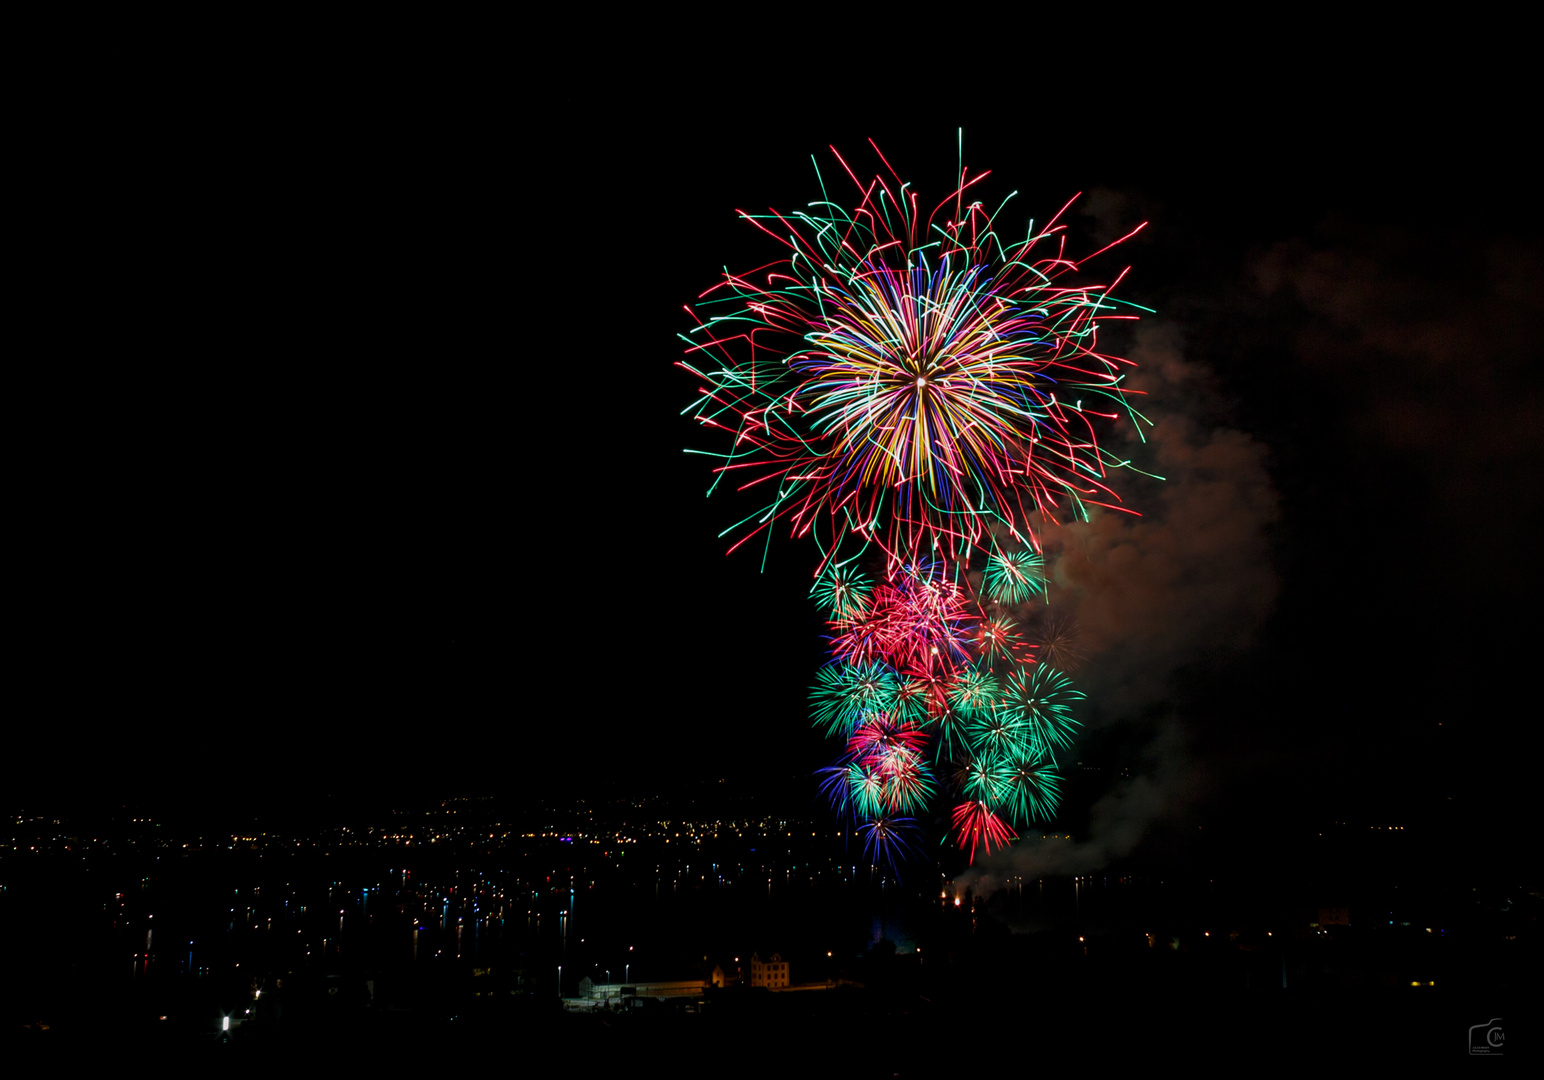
x=355, y=464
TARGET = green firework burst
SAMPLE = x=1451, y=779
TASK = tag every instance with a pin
x=843, y=592
x=844, y=693
x=1032, y=790
x=1043, y=697
x=1012, y=577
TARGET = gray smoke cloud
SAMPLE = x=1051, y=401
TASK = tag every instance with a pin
x=1164, y=786
x=1192, y=576
x=1191, y=580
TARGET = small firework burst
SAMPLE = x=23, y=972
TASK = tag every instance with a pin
x=975, y=825
x=843, y=592
x=1032, y=790
x=1042, y=697
x=886, y=839
x=998, y=639
x=844, y=695
x=1014, y=577
x=974, y=691
x=1056, y=642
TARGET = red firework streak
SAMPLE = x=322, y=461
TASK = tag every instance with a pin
x=976, y=824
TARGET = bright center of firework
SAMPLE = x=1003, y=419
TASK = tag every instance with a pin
x=924, y=380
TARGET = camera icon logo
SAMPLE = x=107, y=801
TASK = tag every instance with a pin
x=1486, y=1038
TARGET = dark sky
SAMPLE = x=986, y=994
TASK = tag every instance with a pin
x=356, y=465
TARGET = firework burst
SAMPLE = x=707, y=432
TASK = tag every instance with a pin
x=997, y=638
x=916, y=382
x=1031, y=791
x=1042, y=698
x=845, y=695
x=974, y=691
x=887, y=838
x=1014, y=577
x=843, y=592
x=1056, y=642
x=978, y=826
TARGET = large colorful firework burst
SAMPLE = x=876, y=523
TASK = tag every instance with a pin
x=916, y=382
x=917, y=393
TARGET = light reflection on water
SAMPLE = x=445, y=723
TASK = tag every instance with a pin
x=592, y=921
